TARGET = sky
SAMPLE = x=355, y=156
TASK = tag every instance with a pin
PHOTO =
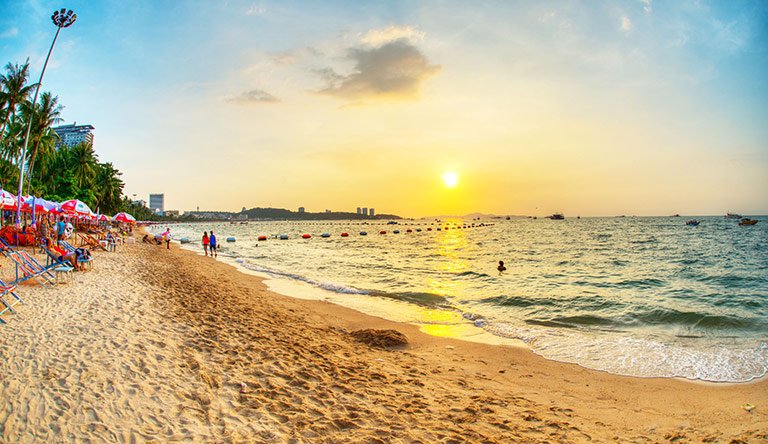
x=593, y=108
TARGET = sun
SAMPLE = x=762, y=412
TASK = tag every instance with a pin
x=450, y=179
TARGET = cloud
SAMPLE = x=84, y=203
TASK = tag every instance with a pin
x=395, y=69
x=10, y=32
x=256, y=10
x=626, y=25
x=254, y=96
x=379, y=37
x=647, y=6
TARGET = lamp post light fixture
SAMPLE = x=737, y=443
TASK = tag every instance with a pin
x=63, y=18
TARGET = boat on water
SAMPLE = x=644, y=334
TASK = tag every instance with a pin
x=556, y=216
x=747, y=221
x=733, y=216
x=693, y=223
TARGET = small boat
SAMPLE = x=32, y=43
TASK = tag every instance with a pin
x=363, y=233
x=306, y=236
x=184, y=240
x=231, y=239
x=747, y=221
x=283, y=237
x=693, y=223
x=262, y=238
x=345, y=234
x=556, y=216
x=732, y=216
x=325, y=235
x=396, y=231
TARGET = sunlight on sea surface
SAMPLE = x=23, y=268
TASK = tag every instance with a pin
x=633, y=296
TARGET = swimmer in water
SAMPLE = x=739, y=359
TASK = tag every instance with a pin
x=501, y=266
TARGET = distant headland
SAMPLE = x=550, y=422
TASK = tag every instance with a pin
x=279, y=214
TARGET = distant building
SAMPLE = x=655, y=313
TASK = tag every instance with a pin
x=359, y=210
x=172, y=213
x=71, y=135
x=365, y=211
x=157, y=202
x=141, y=202
x=370, y=212
x=327, y=211
x=301, y=209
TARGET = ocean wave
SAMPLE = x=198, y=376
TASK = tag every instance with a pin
x=695, y=358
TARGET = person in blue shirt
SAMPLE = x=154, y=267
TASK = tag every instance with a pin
x=61, y=228
x=212, y=241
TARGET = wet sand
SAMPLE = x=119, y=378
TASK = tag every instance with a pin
x=166, y=346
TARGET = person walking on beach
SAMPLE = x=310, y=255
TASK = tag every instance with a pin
x=206, y=242
x=168, y=238
x=212, y=243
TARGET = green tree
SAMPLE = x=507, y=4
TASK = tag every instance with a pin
x=42, y=138
x=14, y=90
x=83, y=162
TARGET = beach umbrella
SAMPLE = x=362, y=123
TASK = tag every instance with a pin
x=124, y=217
x=49, y=206
x=74, y=207
x=7, y=200
x=32, y=204
x=103, y=218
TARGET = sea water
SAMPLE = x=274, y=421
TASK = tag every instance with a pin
x=638, y=296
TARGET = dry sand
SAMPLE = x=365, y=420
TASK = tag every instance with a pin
x=166, y=346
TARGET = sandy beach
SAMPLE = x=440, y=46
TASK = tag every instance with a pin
x=156, y=345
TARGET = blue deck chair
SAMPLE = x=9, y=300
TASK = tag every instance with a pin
x=54, y=263
x=26, y=270
x=82, y=260
x=5, y=290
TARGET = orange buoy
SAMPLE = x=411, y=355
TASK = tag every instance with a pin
x=262, y=238
x=306, y=236
x=344, y=234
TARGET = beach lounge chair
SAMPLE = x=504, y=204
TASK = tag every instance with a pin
x=61, y=268
x=7, y=306
x=27, y=270
x=80, y=259
x=89, y=240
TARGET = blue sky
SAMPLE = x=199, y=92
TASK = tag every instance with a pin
x=590, y=108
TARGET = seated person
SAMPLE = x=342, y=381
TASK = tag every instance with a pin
x=146, y=239
x=65, y=255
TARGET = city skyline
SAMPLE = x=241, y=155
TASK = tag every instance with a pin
x=524, y=108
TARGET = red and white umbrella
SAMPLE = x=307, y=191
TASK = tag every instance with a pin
x=124, y=217
x=40, y=206
x=50, y=206
x=7, y=200
x=103, y=217
x=74, y=207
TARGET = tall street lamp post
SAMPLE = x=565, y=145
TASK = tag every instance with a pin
x=62, y=18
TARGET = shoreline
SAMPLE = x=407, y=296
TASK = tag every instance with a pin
x=157, y=344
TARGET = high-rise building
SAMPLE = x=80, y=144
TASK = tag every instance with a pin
x=301, y=209
x=365, y=211
x=157, y=202
x=359, y=210
x=370, y=212
x=71, y=135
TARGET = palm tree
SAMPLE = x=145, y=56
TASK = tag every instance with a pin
x=109, y=188
x=42, y=136
x=14, y=89
x=84, y=163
